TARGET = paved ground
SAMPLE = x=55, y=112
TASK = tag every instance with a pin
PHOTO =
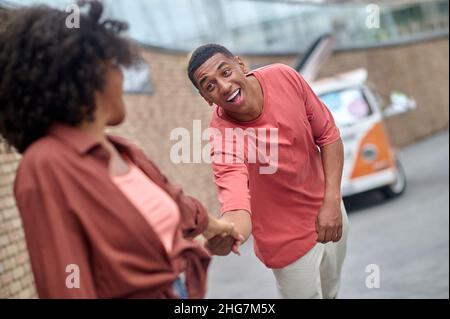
x=408, y=238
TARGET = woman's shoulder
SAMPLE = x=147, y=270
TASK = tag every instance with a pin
x=44, y=150
x=43, y=156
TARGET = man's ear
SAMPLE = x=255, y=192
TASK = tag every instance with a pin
x=207, y=101
x=242, y=65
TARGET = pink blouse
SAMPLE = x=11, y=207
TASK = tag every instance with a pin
x=157, y=207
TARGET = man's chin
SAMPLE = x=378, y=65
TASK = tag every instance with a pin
x=238, y=109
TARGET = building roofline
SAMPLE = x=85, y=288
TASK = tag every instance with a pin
x=425, y=37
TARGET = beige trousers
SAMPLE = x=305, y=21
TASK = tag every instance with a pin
x=316, y=275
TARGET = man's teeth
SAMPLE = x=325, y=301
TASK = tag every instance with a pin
x=234, y=95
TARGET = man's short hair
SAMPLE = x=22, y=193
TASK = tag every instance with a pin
x=202, y=54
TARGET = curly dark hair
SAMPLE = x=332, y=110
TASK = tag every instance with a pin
x=49, y=72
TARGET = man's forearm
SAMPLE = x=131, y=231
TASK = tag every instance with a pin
x=241, y=220
x=333, y=161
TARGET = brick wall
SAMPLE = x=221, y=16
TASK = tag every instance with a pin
x=420, y=70
x=16, y=280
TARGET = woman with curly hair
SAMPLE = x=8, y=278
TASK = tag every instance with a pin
x=100, y=219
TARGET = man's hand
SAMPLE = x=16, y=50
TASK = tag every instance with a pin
x=329, y=222
x=329, y=219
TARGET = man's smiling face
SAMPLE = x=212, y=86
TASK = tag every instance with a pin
x=221, y=80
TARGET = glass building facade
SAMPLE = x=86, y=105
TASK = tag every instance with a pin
x=271, y=26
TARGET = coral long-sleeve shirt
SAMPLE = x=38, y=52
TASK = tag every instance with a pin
x=278, y=175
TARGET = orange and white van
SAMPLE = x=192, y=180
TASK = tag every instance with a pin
x=370, y=161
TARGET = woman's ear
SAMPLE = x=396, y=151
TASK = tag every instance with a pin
x=242, y=65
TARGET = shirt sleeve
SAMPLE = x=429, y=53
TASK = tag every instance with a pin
x=230, y=174
x=194, y=217
x=322, y=123
x=58, y=250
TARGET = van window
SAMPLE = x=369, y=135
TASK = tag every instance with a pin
x=348, y=106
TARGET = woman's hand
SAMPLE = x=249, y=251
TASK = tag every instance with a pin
x=223, y=246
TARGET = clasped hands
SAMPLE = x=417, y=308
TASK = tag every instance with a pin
x=222, y=237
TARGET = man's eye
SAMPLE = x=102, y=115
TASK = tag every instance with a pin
x=210, y=87
x=227, y=72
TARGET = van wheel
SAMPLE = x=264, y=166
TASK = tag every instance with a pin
x=398, y=187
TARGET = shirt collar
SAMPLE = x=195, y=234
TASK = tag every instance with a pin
x=80, y=141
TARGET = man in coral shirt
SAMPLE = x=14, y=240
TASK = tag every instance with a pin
x=277, y=158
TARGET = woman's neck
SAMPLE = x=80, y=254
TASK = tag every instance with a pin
x=96, y=130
